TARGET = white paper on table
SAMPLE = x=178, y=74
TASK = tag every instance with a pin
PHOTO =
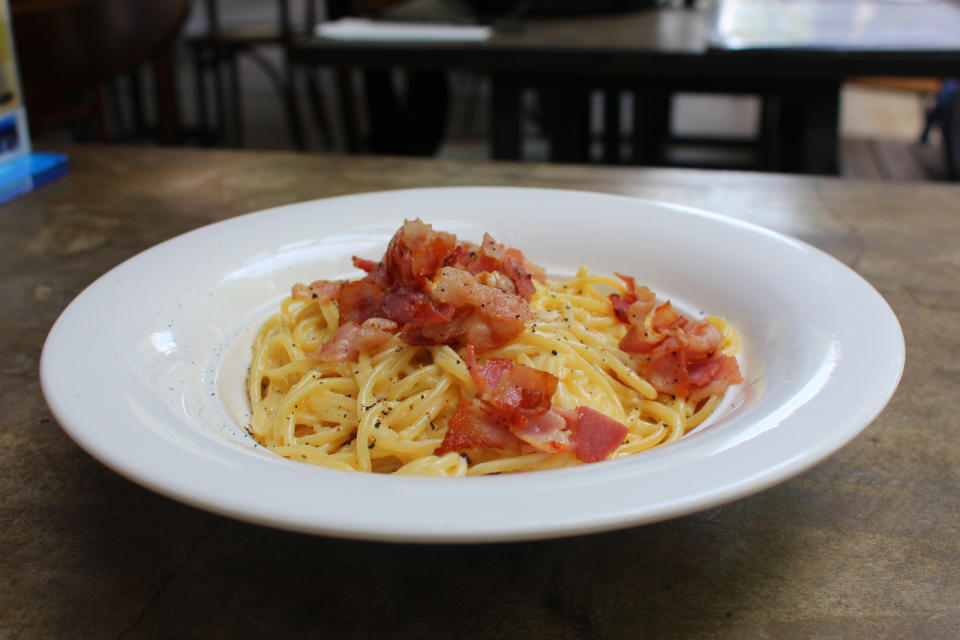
x=364, y=29
x=837, y=24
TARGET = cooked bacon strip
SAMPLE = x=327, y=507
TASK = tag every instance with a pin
x=522, y=391
x=546, y=431
x=363, y=263
x=728, y=373
x=630, y=285
x=429, y=314
x=470, y=427
x=399, y=304
x=536, y=272
x=678, y=356
x=687, y=362
x=494, y=318
x=665, y=367
x=481, y=301
x=350, y=339
x=516, y=399
x=701, y=372
x=321, y=290
x=416, y=252
x=511, y=389
x=621, y=303
x=595, y=436
x=519, y=398
x=359, y=301
x=486, y=375
x=497, y=254
x=700, y=339
x=635, y=302
x=664, y=317
x=493, y=257
x=621, y=307
x=640, y=339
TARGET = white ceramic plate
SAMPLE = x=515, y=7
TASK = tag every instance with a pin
x=145, y=368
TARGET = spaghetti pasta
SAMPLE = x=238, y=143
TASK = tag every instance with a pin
x=569, y=385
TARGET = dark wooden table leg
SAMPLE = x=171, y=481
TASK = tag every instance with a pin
x=651, y=126
x=505, y=123
x=321, y=115
x=566, y=113
x=611, y=125
x=822, y=130
x=168, y=117
x=236, y=101
x=809, y=128
x=349, y=109
x=768, y=146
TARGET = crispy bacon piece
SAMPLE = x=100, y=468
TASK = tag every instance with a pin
x=685, y=370
x=321, y=290
x=363, y=263
x=621, y=307
x=545, y=431
x=522, y=391
x=400, y=304
x=376, y=271
x=516, y=400
x=416, y=252
x=512, y=391
x=664, y=317
x=700, y=339
x=635, y=302
x=595, y=435
x=483, y=299
x=415, y=311
x=358, y=301
x=486, y=375
x=536, y=272
x=494, y=317
x=470, y=427
x=493, y=257
x=677, y=355
x=350, y=339
x=501, y=260
x=640, y=339
x=728, y=373
x=701, y=372
x=665, y=367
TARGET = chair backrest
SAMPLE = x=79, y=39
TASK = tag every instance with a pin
x=289, y=26
x=67, y=45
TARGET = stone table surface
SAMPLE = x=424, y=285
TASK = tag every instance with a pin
x=864, y=545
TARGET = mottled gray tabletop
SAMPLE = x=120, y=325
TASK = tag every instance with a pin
x=864, y=545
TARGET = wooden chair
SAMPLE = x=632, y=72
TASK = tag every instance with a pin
x=68, y=50
x=216, y=54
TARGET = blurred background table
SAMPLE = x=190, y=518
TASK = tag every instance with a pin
x=863, y=545
x=654, y=53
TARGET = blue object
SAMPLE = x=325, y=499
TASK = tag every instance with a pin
x=26, y=173
x=9, y=135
